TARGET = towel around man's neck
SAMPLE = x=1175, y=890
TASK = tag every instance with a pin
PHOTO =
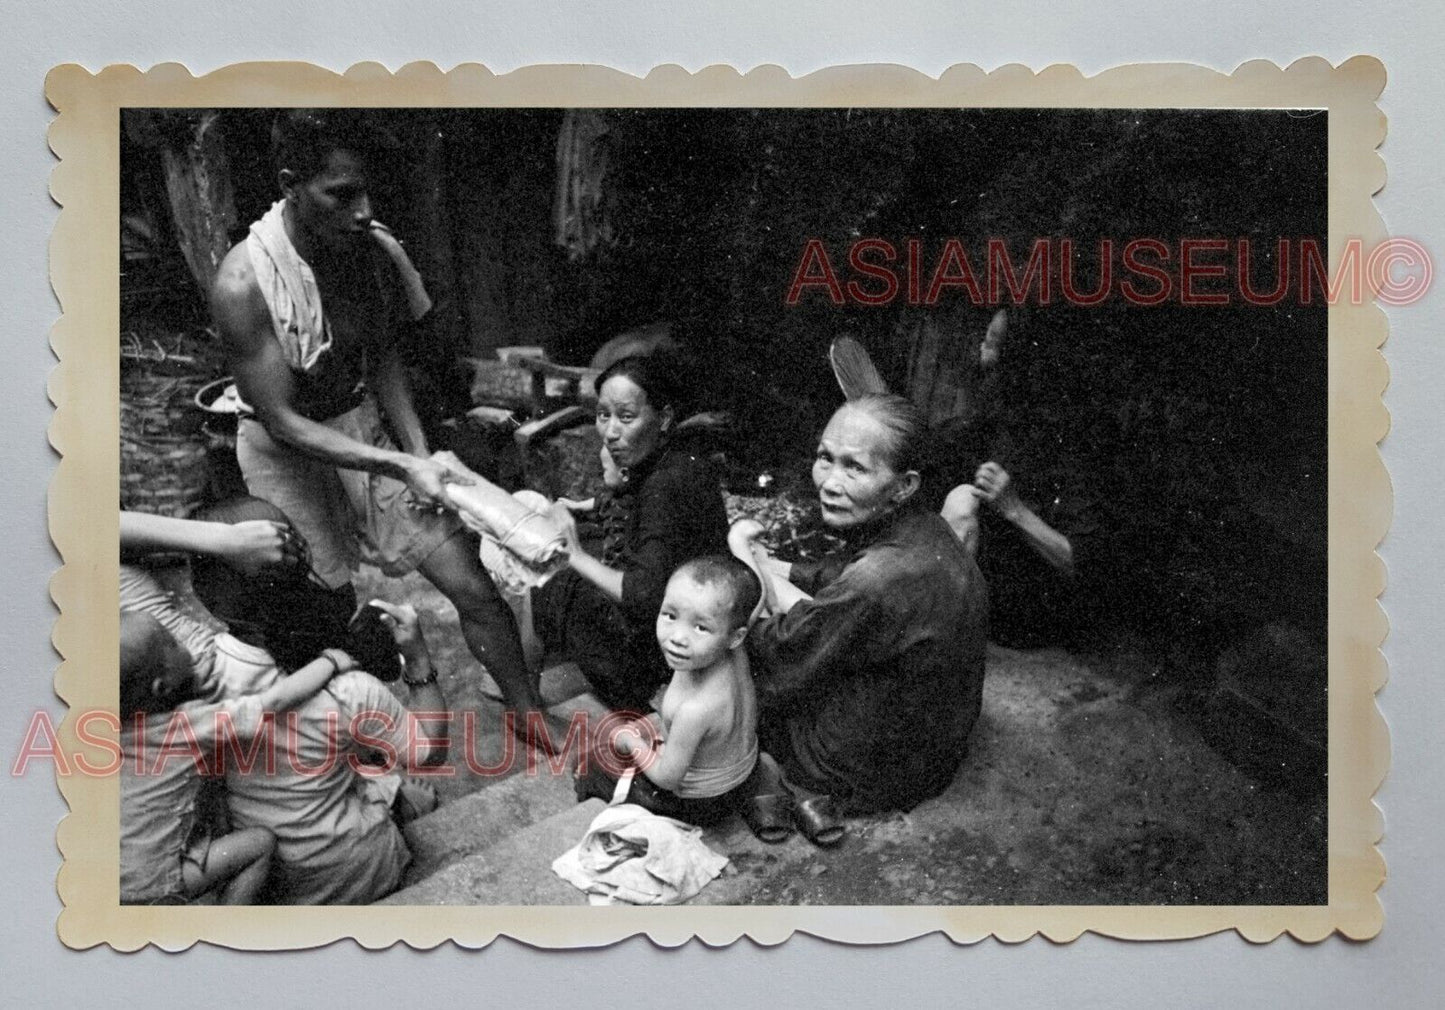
x=289, y=287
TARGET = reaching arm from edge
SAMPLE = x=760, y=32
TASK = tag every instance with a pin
x=249, y=547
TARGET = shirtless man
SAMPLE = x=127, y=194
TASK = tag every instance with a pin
x=318, y=383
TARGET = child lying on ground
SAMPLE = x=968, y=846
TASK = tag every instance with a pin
x=162, y=857
x=699, y=770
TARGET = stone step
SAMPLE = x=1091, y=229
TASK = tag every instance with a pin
x=484, y=853
x=479, y=820
x=517, y=870
x=558, y=683
x=513, y=800
x=751, y=863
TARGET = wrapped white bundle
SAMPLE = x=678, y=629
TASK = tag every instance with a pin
x=521, y=545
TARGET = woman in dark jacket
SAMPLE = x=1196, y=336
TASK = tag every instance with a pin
x=870, y=673
x=667, y=508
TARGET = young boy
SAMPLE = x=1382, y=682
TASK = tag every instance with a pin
x=163, y=857
x=709, y=744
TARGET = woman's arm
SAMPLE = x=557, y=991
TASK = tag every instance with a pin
x=779, y=594
x=996, y=487
x=845, y=627
x=1046, y=541
x=607, y=579
x=785, y=595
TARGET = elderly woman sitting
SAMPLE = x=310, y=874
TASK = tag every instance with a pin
x=870, y=671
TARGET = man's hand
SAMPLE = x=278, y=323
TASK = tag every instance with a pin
x=426, y=481
x=255, y=547
x=405, y=625
x=996, y=488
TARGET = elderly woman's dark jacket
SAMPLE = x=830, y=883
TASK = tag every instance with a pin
x=869, y=690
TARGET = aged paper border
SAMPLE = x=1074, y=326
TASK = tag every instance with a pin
x=83, y=522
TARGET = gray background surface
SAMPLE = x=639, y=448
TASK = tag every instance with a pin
x=1400, y=968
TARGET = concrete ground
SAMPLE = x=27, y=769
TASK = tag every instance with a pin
x=1084, y=784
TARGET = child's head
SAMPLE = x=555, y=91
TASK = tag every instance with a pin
x=155, y=670
x=705, y=611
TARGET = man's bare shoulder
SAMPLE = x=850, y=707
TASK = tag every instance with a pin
x=237, y=304
x=236, y=276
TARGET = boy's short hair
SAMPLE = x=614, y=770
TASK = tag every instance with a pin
x=141, y=636
x=730, y=574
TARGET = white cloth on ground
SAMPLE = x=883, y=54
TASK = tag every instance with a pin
x=632, y=856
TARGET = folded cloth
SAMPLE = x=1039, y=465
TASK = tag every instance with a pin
x=289, y=287
x=521, y=544
x=631, y=856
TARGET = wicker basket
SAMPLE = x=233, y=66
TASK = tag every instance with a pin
x=162, y=447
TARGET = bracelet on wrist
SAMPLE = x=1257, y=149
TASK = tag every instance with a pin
x=430, y=678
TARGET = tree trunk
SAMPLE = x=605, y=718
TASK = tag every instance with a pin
x=203, y=207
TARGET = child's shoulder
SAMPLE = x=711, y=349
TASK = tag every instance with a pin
x=717, y=691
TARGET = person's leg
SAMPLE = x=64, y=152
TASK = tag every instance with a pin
x=240, y=861
x=574, y=619
x=960, y=511
x=593, y=782
x=489, y=628
x=704, y=812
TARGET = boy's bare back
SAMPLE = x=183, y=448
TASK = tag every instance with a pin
x=720, y=700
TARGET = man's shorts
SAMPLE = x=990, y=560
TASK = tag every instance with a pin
x=346, y=516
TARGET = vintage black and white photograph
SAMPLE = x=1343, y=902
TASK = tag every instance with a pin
x=740, y=506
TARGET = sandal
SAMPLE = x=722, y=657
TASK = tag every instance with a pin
x=770, y=816
x=818, y=819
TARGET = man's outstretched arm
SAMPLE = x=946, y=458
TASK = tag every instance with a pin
x=266, y=383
